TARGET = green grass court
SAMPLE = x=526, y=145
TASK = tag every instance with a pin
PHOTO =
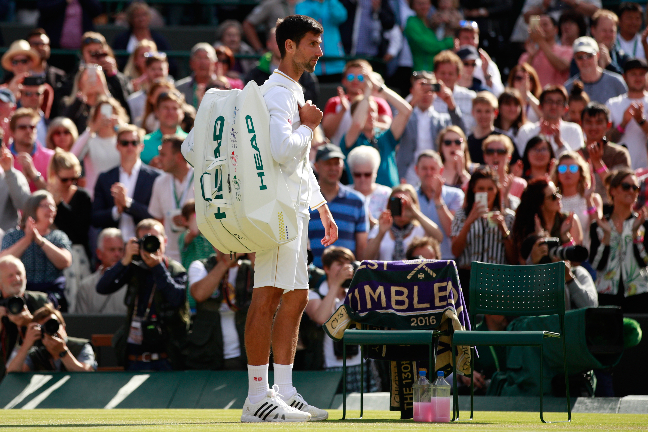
x=213, y=420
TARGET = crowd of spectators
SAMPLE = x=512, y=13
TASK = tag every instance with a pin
x=489, y=145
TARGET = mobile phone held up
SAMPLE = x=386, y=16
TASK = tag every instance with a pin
x=395, y=206
x=482, y=198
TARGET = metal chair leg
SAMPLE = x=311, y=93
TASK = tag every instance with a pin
x=472, y=380
x=362, y=349
x=541, y=384
x=455, y=396
x=344, y=380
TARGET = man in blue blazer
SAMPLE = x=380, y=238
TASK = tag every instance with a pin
x=122, y=194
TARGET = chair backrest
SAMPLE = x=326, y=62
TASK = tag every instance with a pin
x=524, y=290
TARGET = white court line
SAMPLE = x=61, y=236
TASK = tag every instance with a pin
x=41, y=397
x=230, y=404
x=36, y=382
x=125, y=391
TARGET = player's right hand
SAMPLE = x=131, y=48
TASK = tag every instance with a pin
x=310, y=115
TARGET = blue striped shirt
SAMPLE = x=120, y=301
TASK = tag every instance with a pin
x=351, y=216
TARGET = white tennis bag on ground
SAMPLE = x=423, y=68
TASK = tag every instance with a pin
x=242, y=200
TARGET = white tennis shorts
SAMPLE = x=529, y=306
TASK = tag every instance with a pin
x=285, y=266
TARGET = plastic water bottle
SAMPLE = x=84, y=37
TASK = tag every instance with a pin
x=440, y=400
x=422, y=395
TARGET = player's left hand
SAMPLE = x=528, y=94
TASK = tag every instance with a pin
x=330, y=227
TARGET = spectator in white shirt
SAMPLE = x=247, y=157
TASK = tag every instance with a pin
x=448, y=68
x=629, y=37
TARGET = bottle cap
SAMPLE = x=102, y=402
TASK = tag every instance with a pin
x=422, y=373
x=439, y=373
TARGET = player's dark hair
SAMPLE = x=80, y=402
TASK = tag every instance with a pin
x=295, y=27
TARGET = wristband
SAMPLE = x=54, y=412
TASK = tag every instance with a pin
x=438, y=206
x=506, y=235
x=571, y=242
x=591, y=210
x=601, y=170
x=642, y=121
x=638, y=240
x=621, y=129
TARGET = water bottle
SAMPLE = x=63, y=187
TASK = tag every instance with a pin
x=422, y=395
x=440, y=400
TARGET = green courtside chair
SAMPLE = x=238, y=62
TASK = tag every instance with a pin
x=519, y=290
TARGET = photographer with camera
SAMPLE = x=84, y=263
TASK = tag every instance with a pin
x=15, y=299
x=47, y=347
x=158, y=312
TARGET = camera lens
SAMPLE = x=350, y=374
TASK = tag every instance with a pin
x=51, y=327
x=15, y=305
x=150, y=243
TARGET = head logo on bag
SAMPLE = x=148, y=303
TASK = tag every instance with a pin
x=244, y=204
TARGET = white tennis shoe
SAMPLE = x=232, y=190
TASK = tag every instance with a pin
x=272, y=409
x=297, y=401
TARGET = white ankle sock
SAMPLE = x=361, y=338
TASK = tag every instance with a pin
x=257, y=382
x=283, y=379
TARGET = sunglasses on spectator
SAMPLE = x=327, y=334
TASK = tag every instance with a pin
x=159, y=55
x=542, y=149
x=98, y=54
x=68, y=179
x=491, y=152
x=26, y=126
x=468, y=24
x=91, y=40
x=554, y=196
x=583, y=56
x=61, y=132
x=455, y=142
x=470, y=64
x=573, y=168
x=360, y=175
x=628, y=186
x=126, y=143
x=350, y=77
x=17, y=61
x=30, y=93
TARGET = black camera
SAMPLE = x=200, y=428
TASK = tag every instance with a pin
x=14, y=304
x=149, y=243
x=395, y=206
x=347, y=283
x=51, y=327
x=153, y=337
x=564, y=253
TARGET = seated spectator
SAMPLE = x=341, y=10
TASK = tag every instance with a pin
x=138, y=15
x=222, y=287
x=264, y=17
x=363, y=130
x=453, y=149
x=178, y=177
x=135, y=68
x=571, y=26
x=337, y=115
x=603, y=29
x=485, y=69
x=30, y=157
x=89, y=87
x=45, y=351
x=538, y=158
x=7, y=108
x=32, y=95
x=484, y=110
x=158, y=314
x=388, y=240
x=563, y=136
x=469, y=56
x=168, y=110
x=363, y=31
x=438, y=202
x=19, y=60
x=323, y=301
x=13, y=283
x=447, y=69
x=619, y=247
x=498, y=150
x=423, y=248
x=571, y=175
x=424, y=118
x=628, y=114
x=73, y=215
x=44, y=251
x=202, y=63
x=269, y=62
x=629, y=38
x=346, y=205
x=192, y=243
x=156, y=67
x=576, y=103
x=423, y=40
x=14, y=190
x=543, y=53
x=599, y=84
x=511, y=115
x=61, y=133
x=122, y=194
x=230, y=34
x=97, y=145
x=151, y=123
x=64, y=21
x=225, y=79
x=541, y=203
x=603, y=154
x=525, y=79
x=481, y=233
x=363, y=164
x=110, y=250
